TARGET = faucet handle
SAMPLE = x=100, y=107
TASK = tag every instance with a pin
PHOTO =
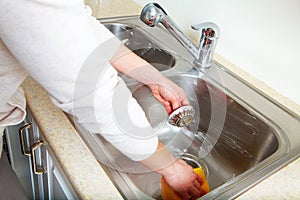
x=210, y=29
x=196, y=26
x=209, y=35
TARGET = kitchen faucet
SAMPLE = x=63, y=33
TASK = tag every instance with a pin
x=153, y=13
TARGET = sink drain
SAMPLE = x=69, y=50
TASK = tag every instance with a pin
x=195, y=162
x=191, y=160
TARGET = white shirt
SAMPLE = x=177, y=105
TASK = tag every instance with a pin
x=52, y=40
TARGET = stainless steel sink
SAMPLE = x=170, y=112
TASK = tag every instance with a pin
x=138, y=42
x=242, y=136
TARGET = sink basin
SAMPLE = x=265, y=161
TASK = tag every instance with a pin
x=138, y=42
x=245, y=138
x=239, y=137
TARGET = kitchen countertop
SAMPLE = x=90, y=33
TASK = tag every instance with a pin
x=85, y=173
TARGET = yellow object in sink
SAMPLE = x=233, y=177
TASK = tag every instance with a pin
x=168, y=194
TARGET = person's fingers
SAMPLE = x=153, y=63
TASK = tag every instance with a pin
x=170, y=103
x=185, y=102
x=201, y=182
x=197, y=184
x=195, y=193
x=175, y=104
x=171, y=99
x=179, y=100
x=160, y=98
x=168, y=109
x=166, y=103
x=186, y=196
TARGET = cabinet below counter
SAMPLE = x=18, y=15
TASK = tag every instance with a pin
x=34, y=162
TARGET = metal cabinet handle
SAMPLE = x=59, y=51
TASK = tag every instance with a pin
x=36, y=169
x=23, y=139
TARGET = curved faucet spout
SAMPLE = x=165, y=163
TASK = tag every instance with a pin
x=153, y=13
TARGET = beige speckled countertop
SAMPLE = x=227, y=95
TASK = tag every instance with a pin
x=85, y=173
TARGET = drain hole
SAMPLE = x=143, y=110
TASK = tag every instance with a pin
x=195, y=162
x=191, y=162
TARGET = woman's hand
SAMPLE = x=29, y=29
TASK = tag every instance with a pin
x=169, y=94
x=177, y=174
x=182, y=179
x=163, y=89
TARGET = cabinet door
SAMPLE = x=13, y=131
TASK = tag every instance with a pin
x=21, y=164
x=35, y=164
x=58, y=186
x=52, y=182
x=20, y=139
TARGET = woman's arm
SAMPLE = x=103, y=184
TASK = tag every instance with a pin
x=163, y=89
x=52, y=40
x=179, y=175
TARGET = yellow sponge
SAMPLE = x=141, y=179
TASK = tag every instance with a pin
x=168, y=194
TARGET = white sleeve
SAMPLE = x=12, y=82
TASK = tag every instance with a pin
x=54, y=41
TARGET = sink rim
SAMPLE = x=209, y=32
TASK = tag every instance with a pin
x=284, y=154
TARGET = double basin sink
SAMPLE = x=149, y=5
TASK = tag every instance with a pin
x=239, y=137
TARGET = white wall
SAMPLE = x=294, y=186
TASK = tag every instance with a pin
x=260, y=36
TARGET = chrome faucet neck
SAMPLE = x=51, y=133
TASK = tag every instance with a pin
x=153, y=13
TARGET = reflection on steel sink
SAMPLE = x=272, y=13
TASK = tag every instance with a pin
x=142, y=46
x=242, y=135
